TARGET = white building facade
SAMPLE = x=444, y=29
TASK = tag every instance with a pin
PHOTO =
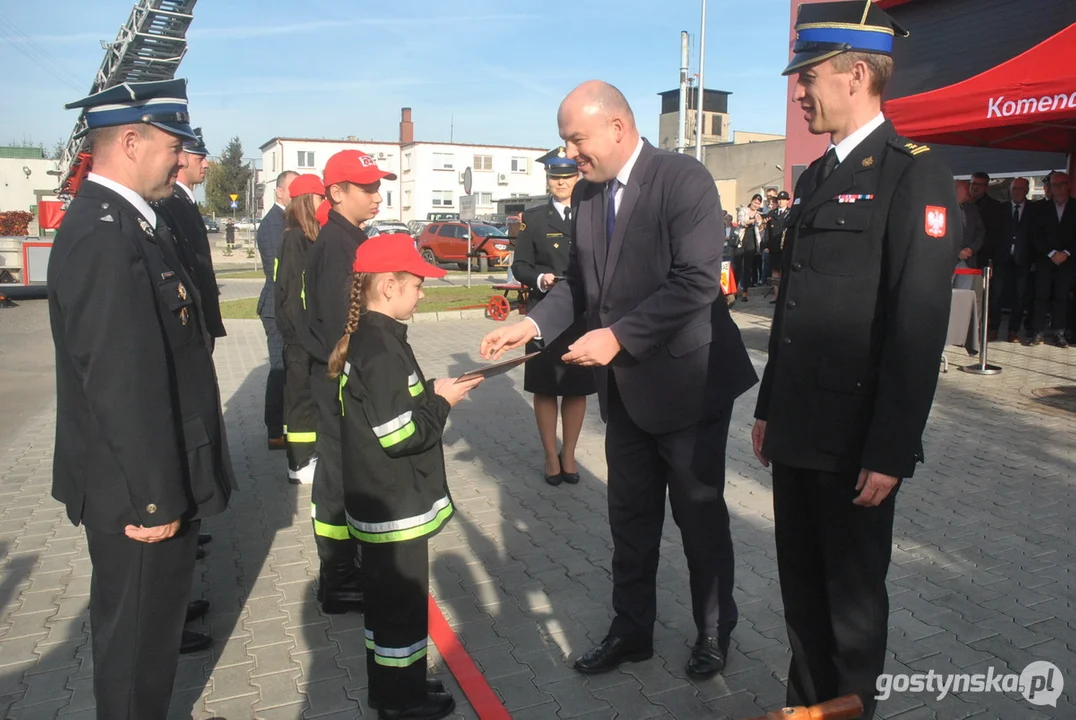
x=26, y=181
x=429, y=175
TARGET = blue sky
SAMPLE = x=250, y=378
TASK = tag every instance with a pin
x=496, y=71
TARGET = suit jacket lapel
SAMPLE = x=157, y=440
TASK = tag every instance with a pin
x=592, y=210
x=844, y=176
x=638, y=180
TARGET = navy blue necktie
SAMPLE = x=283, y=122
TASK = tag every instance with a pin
x=610, y=211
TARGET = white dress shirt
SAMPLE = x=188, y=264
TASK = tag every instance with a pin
x=127, y=194
x=190, y=193
x=846, y=146
x=561, y=207
x=1019, y=207
x=1060, y=208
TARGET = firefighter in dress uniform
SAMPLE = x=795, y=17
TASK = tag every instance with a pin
x=352, y=187
x=141, y=455
x=301, y=229
x=854, y=350
x=391, y=424
x=542, y=249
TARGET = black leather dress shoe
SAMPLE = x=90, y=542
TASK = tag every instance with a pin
x=196, y=609
x=193, y=642
x=707, y=657
x=570, y=478
x=438, y=705
x=200, y=555
x=433, y=685
x=204, y=538
x=611, y=653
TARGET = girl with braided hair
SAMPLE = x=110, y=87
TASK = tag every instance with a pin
x=395, y=488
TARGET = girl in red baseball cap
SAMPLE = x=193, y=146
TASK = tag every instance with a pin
x=301, y=228
x=395, y=489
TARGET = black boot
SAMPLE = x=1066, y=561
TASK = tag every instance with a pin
x=340, y=586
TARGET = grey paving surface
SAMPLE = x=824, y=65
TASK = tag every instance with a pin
x=982, y=575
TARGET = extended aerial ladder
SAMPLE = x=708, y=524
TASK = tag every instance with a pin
x=149, y=47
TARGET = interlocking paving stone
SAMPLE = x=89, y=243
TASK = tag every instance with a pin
x=981, y=573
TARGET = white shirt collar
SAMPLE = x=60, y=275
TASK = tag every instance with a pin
x=127, y=194
x=625, y=172
x=560, y=207
x=846, y=146
x=282, y=208
x=190, y=193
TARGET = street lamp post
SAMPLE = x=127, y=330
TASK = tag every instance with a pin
x=702, y=86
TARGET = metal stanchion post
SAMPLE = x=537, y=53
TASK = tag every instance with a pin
x=982, y=367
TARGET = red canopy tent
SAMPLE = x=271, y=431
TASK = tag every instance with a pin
x=1026, y=103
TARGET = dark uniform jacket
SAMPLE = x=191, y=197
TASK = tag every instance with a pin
x=993, y=221
x=776, y=231
x=858, y=333
x=268, y=239
x=1016, y=236
x=328, y=279
x=139, y=432
x=1049, y=233
x=543, y=246
x=290, y=291
x=189, y=230
x=657, y=285
x=395, y=486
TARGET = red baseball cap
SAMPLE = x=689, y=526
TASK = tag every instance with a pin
x=394, y=252
x=306, y=185
x=322, y=213
x=355, y=167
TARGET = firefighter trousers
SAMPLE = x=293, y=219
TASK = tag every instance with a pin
x=300, y=412
x=327, y=493
x=396, y=577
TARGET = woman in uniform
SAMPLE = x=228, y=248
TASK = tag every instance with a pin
x=541, y=260
x=301, y=228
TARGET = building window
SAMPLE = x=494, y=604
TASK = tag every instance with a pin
x=483, y=162
x=273, y=155
x=485, y=199
x=442, y=198
x=407, y=162
x=407, y=198
x=443, y=161
x=388, y=198
x=306, y=159
x=715, y=124
x=519, y=165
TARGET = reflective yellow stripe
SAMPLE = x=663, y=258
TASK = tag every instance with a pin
x=343, y=382
x=415, y=390
x=276, y=267
x=303, y=293
x=399, y=662
x=301, y=437
x=333, y=532
x=399, y=436
x=422, y=530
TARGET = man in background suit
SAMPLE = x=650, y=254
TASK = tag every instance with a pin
x=669, y=362
x=181, y=213
x=974, y=238
x=270, y=233
x=1054, y=239
x=141, y=455
x=1012, y=258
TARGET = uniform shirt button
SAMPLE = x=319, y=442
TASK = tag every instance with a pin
x=859, y=386
x=791, y=304
x=605, y=308
x=797, y=266
x=151, y=508
x=840, y=221
x=788, y=341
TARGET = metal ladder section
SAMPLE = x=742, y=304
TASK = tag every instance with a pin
x=149, y=47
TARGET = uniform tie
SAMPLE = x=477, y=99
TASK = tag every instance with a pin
x=610, y=211
x=829, y=162
x=567, y=214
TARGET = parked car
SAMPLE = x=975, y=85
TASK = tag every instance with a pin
x=386, y=228
x=442, y=216
x=415, y=227
x=210, y=224
x=447, y=242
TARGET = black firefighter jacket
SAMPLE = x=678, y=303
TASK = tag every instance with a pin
x=391, y=424
x=328, y=278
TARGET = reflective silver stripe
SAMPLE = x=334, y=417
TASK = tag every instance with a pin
x=392, y=425
x=401, y=652
x=403, y=524
x=412, y=379
x=347, y=368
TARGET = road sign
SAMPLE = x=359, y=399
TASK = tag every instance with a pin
x=468, y=181
x=234, y=198
x=235, y=205
x=468, y=211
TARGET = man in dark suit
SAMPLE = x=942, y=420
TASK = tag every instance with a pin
x=645, y=271
x=180, y=211
x=268, y=239
x=974, y=238
x=1054, y=240
x=854, y=350
x=1012, y=258
x=140, y=448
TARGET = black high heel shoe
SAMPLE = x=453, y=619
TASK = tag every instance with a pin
x=570, y=478
x=555, y=480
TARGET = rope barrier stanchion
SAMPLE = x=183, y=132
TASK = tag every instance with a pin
x=982, y=367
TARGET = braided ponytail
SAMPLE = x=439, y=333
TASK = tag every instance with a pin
x=356, y=303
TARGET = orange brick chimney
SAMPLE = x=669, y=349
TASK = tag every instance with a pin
x=407, y=128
